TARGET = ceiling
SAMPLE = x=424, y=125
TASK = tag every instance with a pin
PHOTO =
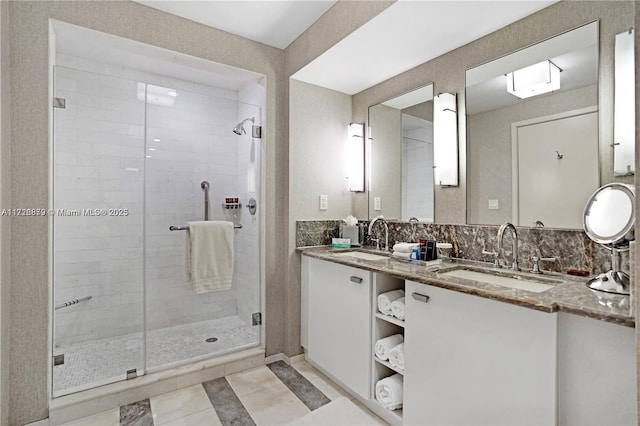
x=109, y=49
x=406, y=34
x=274, y=22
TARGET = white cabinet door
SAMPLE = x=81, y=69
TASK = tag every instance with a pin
x=339, y=322
x=596, y=372
x=475, y=361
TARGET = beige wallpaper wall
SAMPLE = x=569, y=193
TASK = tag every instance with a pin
x=28, y=399
x=5, y=199
x=338, y=22
x=447, y=74
x=318, y=122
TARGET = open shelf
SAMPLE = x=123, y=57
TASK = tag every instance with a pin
x=388, y=365
x=384, y=326
x=391, y=319
x=395, y=413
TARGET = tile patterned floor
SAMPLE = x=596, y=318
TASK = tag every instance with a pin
x=102, y=361
x=275, y=394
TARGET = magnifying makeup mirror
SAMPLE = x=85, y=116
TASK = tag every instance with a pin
x=608, y=219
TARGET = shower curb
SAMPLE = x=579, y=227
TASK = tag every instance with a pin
x=93, y=401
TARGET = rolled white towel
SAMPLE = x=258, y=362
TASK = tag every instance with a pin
x=405, y=247
x=401, y=254
x=385, y=299
x=397, y=308
x=396, y=356
x=384, y=346
x=389, y=392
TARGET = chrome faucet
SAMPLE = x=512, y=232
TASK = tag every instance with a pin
x=386, y=232
x=505, y=226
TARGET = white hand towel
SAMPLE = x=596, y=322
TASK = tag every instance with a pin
x=384, y=346
x=210, y=255
x=405, y=247
x=397, y=308
x=396, y=357
x=389, y=392
x=385, y=299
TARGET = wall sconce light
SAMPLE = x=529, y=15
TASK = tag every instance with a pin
x=624, y=106
x=355, y=157
x=445, y=139
x=536, y=79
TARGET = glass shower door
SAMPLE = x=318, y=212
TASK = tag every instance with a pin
x=98, y=251
x=189, y=142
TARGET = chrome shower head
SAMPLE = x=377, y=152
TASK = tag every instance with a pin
x=239, y=129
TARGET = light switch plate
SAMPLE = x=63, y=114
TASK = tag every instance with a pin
x=493, y=204
x=324, y=202
x=376, y=203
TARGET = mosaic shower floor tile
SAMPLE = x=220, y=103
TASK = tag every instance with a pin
x=98, y=362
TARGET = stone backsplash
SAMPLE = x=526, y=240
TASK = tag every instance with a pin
x=572, y=248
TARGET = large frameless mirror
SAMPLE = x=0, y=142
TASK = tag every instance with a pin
x=532, y=133
x=401, y=184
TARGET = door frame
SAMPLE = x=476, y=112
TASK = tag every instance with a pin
x=514, y=150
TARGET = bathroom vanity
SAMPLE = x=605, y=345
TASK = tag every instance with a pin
x=517, y=349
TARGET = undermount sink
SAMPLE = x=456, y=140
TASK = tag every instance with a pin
x=361, y=255
x=504, y=279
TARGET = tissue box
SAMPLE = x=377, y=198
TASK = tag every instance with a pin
x=340, y=243
x=352, y=233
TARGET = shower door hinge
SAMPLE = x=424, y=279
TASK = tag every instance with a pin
x=58, y=359
x=132, y=374
x=256, y=319
x=59, y=103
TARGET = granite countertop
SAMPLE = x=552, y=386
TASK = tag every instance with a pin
x=569, y=293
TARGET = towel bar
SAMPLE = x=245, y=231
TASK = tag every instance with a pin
x=185, y=227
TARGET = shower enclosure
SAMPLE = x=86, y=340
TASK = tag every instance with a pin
x=131, y=151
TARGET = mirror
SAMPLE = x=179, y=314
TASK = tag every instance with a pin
x=609, y=216
x=401, y=138
x=610, y=213
x=533, y=156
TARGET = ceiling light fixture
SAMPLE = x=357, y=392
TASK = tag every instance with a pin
x=536, y=79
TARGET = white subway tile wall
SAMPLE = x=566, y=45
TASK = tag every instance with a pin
x=98, y=256
x=101, y=161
